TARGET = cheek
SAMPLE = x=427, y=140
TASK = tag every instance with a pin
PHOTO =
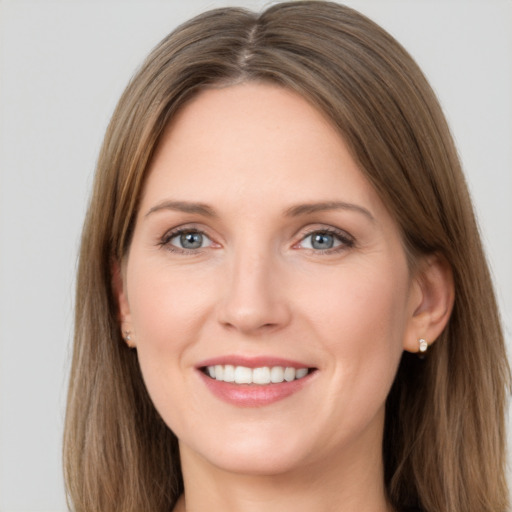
x=166, y=306
x=361, y=321
x=367, y=303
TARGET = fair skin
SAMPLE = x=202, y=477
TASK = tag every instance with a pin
x=286, y=257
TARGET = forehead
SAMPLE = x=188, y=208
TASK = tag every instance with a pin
x=249, y=141
x=247, y=114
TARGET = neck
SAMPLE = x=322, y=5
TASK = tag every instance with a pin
x=356, y=484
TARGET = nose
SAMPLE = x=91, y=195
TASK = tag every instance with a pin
x=255, y=295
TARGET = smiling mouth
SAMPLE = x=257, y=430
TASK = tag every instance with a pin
x=259, y=376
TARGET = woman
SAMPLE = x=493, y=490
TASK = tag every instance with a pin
x=282, y=301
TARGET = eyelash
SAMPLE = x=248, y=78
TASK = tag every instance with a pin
x=346, y=240
x=165, y=241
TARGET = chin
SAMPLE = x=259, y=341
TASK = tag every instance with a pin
x=259, y=457
x=268, y=464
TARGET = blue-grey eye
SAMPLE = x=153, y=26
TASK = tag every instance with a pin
x=189, y=240
x=324, y=241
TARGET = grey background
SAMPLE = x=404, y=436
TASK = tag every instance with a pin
x=63, y=65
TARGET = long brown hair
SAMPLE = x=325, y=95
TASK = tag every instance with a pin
x=444, y=439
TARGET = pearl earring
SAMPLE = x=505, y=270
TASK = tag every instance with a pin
x=423, y=345
x=127, y=335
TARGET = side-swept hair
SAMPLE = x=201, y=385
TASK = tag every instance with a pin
x=444, y=439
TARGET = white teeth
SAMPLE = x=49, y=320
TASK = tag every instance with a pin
x=229, y=373
x=243, y=375
x=262, y=375
x=301, y=372
x=277, y=374
x=289, y=374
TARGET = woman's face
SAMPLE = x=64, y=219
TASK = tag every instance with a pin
x=262, y=254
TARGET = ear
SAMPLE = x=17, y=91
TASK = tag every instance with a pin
x=432, y=298
x=123, y=307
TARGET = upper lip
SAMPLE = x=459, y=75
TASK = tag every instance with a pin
x=252, y=362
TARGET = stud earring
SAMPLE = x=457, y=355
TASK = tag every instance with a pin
x=127, y=335
x=423, y=345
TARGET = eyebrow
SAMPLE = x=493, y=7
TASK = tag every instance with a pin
x=293, y=211
x=184, y=206
x=309, y=208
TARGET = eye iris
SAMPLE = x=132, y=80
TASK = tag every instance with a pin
x=322, y=241
x=191, y=240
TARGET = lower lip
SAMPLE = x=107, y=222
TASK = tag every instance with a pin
x=254, y=395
